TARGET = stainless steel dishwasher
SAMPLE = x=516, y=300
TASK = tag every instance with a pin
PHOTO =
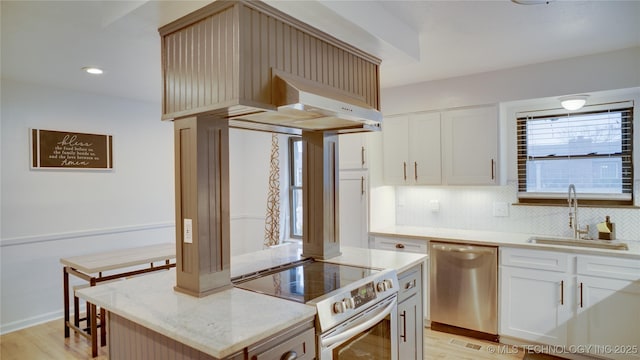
x=464, y=289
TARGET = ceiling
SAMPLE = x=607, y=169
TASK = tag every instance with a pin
x=48, y=42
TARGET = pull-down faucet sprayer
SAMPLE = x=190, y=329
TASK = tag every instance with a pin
x=573, y=214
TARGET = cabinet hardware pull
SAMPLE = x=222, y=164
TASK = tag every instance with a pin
x=404, y=326
x=362, y=156
x=362, y=185
x=561, y=292
x=404, y=164
x=493, y=169
x=399, y=246
x=415, y=170
x=410, y=285
x=581, y=295
x=289, y=355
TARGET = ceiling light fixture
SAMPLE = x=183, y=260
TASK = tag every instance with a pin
x=531, y=2
x=573, y=102
x=92, y=70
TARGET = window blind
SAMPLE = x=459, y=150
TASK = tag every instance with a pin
x=591, y=149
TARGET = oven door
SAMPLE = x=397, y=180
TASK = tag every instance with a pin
x=371, y=335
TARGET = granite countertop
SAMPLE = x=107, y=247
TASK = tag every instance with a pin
x=495, y=238
x=226, y=322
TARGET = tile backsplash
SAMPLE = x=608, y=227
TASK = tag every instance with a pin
x=483, y=208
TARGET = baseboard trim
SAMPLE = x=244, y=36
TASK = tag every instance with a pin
x=32, y=321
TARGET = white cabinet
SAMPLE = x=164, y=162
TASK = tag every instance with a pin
x=536, y=295
x=470, y=146
x=410, y=317
x=454, y=147
x=591, y=303
x=354, y=208
x=353, y=151
x=411, y=147
x=608, y=306
x=533, y=307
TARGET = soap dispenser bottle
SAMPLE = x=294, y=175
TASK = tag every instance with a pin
x=611, y=226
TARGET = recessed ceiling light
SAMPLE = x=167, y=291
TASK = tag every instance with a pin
x=92, y=70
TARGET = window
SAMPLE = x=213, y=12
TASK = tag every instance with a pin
x=592, y=150
x=295, y=186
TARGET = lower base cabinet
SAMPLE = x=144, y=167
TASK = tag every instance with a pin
x=589, y=305
x=410, y=317
x=129, y=340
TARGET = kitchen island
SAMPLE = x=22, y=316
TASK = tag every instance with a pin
x=230, y=322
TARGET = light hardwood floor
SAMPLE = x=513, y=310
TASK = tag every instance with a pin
x=47, y=341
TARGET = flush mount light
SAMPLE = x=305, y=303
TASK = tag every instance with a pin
x=573, y=102
x=531, y=2
x=92, y=70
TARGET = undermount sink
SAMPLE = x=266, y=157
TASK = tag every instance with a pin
x=600, y=244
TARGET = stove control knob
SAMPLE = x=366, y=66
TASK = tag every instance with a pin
x=381, y=286
x=338, y=307
x=349, y=303
x=389, y=283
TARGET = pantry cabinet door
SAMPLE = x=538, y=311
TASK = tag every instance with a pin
x=354, y=209
x=470, y=142
x=536, y=305
x=608, y=315
x=395, y=150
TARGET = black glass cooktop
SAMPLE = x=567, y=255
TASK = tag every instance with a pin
x=306, y=281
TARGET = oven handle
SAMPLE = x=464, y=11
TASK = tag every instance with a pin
x=327, y=342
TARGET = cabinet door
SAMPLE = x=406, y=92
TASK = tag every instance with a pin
x=424, y=149
x=353, y=151
x=410, y=316
x=395, y=150
x=410, y=329
x=470, y=141
x=353, y=209
x=536, y=305
x=608, y=314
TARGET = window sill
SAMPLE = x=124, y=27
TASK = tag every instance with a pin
x=582, y=204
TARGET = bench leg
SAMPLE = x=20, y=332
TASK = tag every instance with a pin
x=94, y=330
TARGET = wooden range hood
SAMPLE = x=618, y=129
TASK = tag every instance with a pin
x=221, y=66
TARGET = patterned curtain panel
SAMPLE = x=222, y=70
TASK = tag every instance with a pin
x=272, y=220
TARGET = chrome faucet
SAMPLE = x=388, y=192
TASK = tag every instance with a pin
x=573, y=214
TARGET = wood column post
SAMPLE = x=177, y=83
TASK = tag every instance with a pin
x=202, y=205
x=320, y=196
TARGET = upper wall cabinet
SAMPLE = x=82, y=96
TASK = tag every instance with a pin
x=470, y=146
x=456, y=147
x=353, y=151
x=411, y=147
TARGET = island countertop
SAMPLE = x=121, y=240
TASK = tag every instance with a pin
x=224, y=323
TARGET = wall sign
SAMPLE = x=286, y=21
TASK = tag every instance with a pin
x=69, y=150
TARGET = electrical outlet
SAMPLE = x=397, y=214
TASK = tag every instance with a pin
x=500, y=209
x=434, y=205
x=188, y=231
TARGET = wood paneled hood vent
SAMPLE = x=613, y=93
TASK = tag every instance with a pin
x=244, y=64
x=264, y=70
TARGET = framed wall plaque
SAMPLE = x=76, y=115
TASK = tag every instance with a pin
x=70, y=150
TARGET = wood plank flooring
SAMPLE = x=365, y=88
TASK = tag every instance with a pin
x=46, y=341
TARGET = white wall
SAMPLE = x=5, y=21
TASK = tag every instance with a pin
x=49, y=214
x=607, y=77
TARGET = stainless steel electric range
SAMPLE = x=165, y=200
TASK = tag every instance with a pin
x=356, y=307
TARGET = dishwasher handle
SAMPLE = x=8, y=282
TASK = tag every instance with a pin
x=464, y=249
